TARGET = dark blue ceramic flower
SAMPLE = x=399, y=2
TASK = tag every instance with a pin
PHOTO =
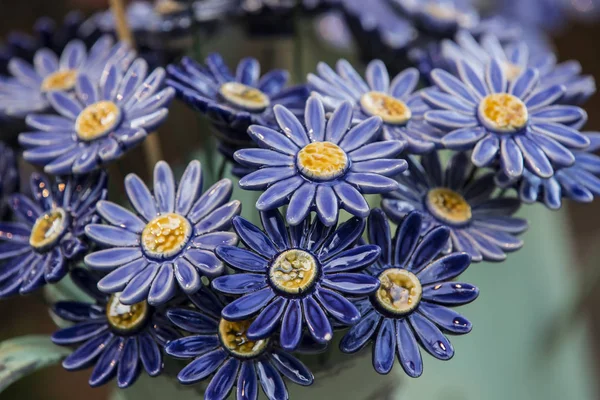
x=480, y=223
x=106, y=117
x=439, y=17
x=117, y=340
x=49, y=235
x=222, y=347
x=514, y=123
x=292, y=277
x=396, y=102
x=322, y=165
x=411, y=307
x=9, y=176
x=170, y=243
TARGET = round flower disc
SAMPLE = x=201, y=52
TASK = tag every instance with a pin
x=503, y=112
x=244, y=96
x=399, y=292
x=126, y=318
x=391, y=110
x=60, y=80
x=233, y=336
x=293, y=271
x=448, y=205
x=48, y=229
x=322, y=161
x=166, y=235
x=97, y=120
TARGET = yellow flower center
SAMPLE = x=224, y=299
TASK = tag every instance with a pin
x=448, y=205
x=126, y=318
x=322, y=160
x=391, y=110
x=512, y=71
x=60, y=80
x=97, y=120
x=166, y=235
x=244, y=96
x=399, y=291
x=48, y=228
x=293, y=271
x=503, y=112
x=233, y=336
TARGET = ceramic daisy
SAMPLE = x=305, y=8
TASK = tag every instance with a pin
x=296, y=277
x=481, y=223
x=9, y=176
x=415, y=301
x=167, y=244
x=323, y=165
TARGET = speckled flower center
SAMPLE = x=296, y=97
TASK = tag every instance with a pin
x=233, y=336
x=391, y=110
x=448, y=205
x=166, y=7
x=48, y=228
x=60, y=80
x=399, y=291
x=512, y=71
x=503, y=112
x=97, y=120
x=166, y=235
x=322, y=161
x=293, y=271
x=244, y=96
x=123, y=318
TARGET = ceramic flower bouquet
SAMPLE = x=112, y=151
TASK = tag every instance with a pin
x=376, y=190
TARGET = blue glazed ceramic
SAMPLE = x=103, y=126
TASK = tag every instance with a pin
x=49, y=235
x=295, y=277
x=439, y=17
x=402, y=114
x=117, y=340
x=324, y=165
x=9, y=176
x=518, y=124
x=222, y=347
x=413, y=305
x=169, y=244
x=480, y=222
x=104, y=118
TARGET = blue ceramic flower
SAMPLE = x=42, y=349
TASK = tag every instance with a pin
x=397, y=103
x=49, y=235
x=105, y=118
x=222, y=347
x=9, y=176
x=514, y=123
x=464, y=201
x=117, y=340
x=324, y=165
x=440, y=17
x=292, y=277
x=30, y=86
x=417, y=292
x=170, y=243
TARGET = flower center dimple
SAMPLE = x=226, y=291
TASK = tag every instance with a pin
x=233, y=336
x=503, y=112
x=166, y=235
x=97, y=120
x=322, y=161
x=48, y=229
x=126, y=318
x=399, y=291
x=293, y=271
x=391, y=110
x=244, y=96
x=60, y=80
x=512, y=71
x=448, y=205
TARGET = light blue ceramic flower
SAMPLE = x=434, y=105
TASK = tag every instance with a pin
x=322, y=165
x=168, y=246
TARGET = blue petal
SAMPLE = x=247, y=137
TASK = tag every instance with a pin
x=534, y=158
x=271, y=382
x=254, y=238
x=106, y=366
x=217, y=195
x=140, y=197
x=247, y=305
x=73, y=55
x=257, y=158
x=406, y=238
x=268, y=138
x=452, y=85
x=193, y=321
x=447, y=319
x=462, y=242
x=351, y=200
x=315, y=119
x=338, y=307
x=85, y=355
x=163, y=287
x=544, y=97
x=430, y=337
x=351, y=260
x=471, y=78
x=119, y=216
x=120, y=277
x=352, y=284
x=267, y=321
x=205, y=261
x=78, y=333
x=345, y=235
x=210, y=241
x=450, y=293
x=275, y=228
x=291, y=127
x=218, y=220
x=377, y=76
x=444, y=268
x=108, y=235
x=242, y=259
x=86, y=90
x=202, y=367
x=511, y=158
x=291, y=326
x=364, y=132
x=463, y=139
x=164, y=187
x=192, y=346
x=134, y=76
x=111, y=258
x=563, y=134
x=358, y=335
x=189, y=188
x=522, y=86
x=278, y=194
x=248, y=71
x=264, y=177
x=239, y=283
x=448, y=120
x=404, y=83
x=301, y=203
x=247, y=385
x=221, y=384
x=64, y=104
x=495, y=77
x=485, y=151
x=55, y=266
x=150, y=354
x=316, y=321
x=139, y=287
x=445, y=101
x=377, y=150
x=338, y=123
x=129, y=368
x=273, y=81
x=292, y=368
x=408, y=350
x=385, y=344
x=432, y=244
x=326, y=203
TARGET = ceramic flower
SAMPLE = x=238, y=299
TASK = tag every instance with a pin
x=324, y=165
x=397, y=103
x=9, y=176
x=28, y=88
x=222, y=347
x=457, y=197
x=117, y=340
x=168, y=243
x=440, y=16
x=105, y=118
x=415, y=300
x=49, y=235
x=507, y=122
x=295, y=277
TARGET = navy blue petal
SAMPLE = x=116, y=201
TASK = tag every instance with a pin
x=271, y=382
x=292, y=368
x=430, y=337
x=247, y=305
x=247, y=385
x=202, y=367
x=408, y=350
x=221, y=384
x=358, y=335
x=385, y=344
x=192, y=321
x=316, y=321
x=291, y=326
x=447, y=319
x=268, y=319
